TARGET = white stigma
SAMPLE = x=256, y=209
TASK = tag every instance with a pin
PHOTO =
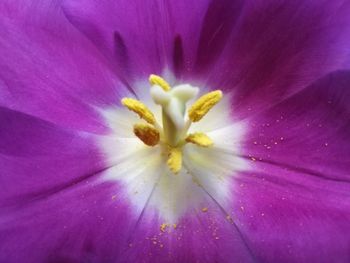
x=173, y=103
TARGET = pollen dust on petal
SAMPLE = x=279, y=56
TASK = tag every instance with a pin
x=163, y=227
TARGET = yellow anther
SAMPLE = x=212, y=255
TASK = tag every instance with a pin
x=199, y=139
x=157, y=80
x=139, y=108
x=147, y=134
x=203, y=105
x=175, y=160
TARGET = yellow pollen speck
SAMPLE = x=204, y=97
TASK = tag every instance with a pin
x=199, y=139
x=147, y=134
x=175, y=160
x=139, y=108
x=163, y=227
x=201, y=107
x=157, y=80
x=204, y=209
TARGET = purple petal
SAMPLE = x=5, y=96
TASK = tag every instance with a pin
x=279, y=48
x=309, y=130
x=295, y=202
x=49, y=196
x=264, y=49
x=289, y=216
x=49, y=70
x=210, y=236
x=80, y=223
x=202, y=43
x=37, y=156
x=144, y=37
x=130, y=34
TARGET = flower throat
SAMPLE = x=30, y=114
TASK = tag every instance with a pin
x=173, y=134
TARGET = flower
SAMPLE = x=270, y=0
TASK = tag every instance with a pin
x=262, y=175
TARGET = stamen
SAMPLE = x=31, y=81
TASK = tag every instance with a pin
x=172, y=135
x=139, y=108
x=201, y=107
x=175, y=159
x=147, y=134
x=199, y=139
x=157, y=80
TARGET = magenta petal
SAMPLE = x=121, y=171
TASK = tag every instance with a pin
x=307, y=131
x=279, y=48
x=210, y=236
x=289, y=216
x=263, y=50
x=143, y=37
x=52, y=203
x=128, y=33
x=295, y=201
x=80, y=223
x=50, y=70
x=38, y=157
x=210, y=37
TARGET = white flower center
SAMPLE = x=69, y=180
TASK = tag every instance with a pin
x=173, y=166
